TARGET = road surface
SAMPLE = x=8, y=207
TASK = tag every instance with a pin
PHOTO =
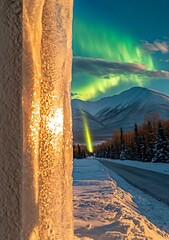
x=154, y=183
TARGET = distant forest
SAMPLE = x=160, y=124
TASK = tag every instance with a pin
x=148, y=142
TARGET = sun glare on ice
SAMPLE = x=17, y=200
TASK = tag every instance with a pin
x=55, y=122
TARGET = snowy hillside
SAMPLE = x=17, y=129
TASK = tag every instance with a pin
x=123, y=110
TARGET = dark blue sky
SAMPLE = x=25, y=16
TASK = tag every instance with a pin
x=119, y=44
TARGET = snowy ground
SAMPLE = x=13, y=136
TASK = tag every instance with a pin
x=104, y=211
x=155, y=167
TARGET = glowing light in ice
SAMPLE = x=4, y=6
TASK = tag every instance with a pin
x=55, y=122
x=47, y=175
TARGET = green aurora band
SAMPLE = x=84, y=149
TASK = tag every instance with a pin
x=104, y=42
x=94, y=40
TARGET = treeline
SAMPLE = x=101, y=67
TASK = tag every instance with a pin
x=79, y=151
x=148, y=142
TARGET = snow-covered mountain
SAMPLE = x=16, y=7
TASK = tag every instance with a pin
x=123, y=110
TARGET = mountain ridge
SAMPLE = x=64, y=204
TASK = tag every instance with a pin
x=122, y=110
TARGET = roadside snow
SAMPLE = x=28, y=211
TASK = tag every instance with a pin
x=104, y=211
x=157, y=212
x=155, y=167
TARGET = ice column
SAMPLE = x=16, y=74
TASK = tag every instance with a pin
x=35, y=120
x=47, y=189
x=55, y=156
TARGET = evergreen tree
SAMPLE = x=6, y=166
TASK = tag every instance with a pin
x=122, y=138
x=137, y=149
x=150, y=139
x=78, y=151
x=161, y=150
x=116, y=144
x=140, y=153
x=143, y=155
x=129, y=153
x=123, y=155
x=130, y=145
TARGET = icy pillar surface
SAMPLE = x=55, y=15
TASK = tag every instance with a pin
x=35, y=120
x=10, y=119
x=55, y=156
x=47, y=145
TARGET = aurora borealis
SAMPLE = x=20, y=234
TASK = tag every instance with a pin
x=114, y=48
x=105, y=43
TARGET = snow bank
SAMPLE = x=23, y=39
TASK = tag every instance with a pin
x=103, y=211
x=155, y=167
x=156, y=211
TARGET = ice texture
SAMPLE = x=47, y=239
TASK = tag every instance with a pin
x=47, y=60
x=35, y=120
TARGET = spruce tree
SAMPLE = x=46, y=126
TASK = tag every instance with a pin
x=116, y=144
x=150, y=139
x=78, y=151
x=161, y=150
x=122, y=147
x=140, y=153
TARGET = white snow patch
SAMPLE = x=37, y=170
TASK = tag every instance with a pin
x=103, y=211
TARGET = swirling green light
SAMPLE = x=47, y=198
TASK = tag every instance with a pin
x=95, y=40
x=99, y=41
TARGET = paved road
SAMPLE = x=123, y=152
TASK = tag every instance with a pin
x=154, y=183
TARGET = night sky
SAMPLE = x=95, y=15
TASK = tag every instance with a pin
x=119, y=44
